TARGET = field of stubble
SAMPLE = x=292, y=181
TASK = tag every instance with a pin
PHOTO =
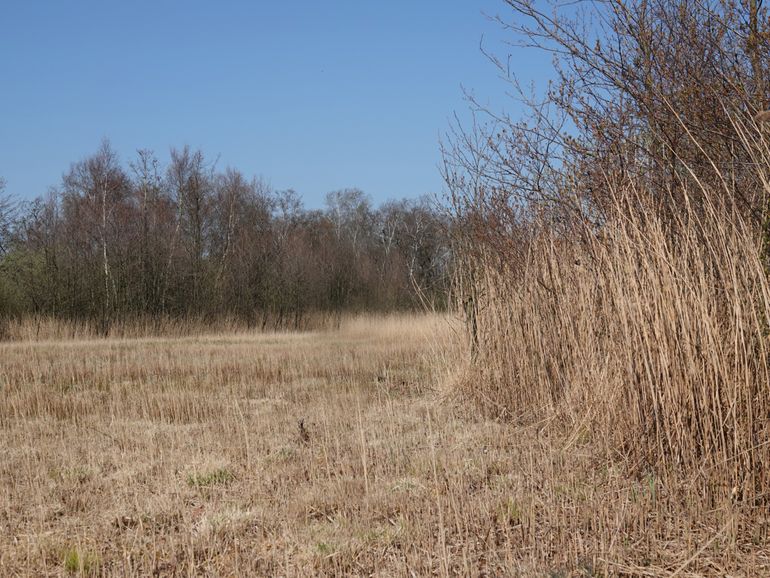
x=325, y=453
x=187, y=457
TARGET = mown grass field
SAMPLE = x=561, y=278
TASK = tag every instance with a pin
x=186, y=457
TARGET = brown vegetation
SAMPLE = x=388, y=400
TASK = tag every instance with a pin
x=611, y=258
x=613, y=261
x=341, y=452
x=223, y=454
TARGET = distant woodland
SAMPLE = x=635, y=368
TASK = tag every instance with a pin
x=114, y=241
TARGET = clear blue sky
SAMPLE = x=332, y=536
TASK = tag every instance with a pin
x=315, y=96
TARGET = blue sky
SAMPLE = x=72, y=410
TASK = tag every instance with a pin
x=314, y=96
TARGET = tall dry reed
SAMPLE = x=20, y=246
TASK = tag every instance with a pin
x=649, y=333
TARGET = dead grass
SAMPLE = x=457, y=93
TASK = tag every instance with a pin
x=137, y=457
x=48, y=328
x=644, y=343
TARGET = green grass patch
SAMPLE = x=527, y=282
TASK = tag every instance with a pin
x=219, y=477
x=79, y=562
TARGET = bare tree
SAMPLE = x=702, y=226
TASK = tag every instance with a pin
x=191, y=182
x=156, y=216
x=97, y=188
x=8, y=215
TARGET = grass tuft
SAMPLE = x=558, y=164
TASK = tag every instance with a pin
x=218, y=477
x=79, y=562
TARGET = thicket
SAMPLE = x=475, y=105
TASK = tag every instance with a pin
x=612, y=243
x=113, y=243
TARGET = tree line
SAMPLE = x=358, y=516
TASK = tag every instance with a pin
x=114, y=241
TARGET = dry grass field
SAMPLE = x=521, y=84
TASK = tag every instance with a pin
x=336, y=452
